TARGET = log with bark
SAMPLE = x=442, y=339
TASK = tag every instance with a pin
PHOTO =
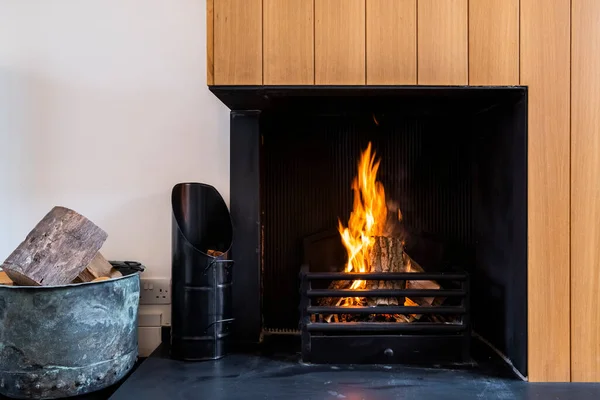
x=386, y=255
x=56, y=251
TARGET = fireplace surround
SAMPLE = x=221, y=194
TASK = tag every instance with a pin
x=454, y=158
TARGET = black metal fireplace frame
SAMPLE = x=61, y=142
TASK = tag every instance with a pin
x=385, y=342
x=247, y=103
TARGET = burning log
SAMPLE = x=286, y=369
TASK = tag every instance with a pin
x=413, y=266
x=375, y=218
x=336, y=285
x=56, y=251
x=386, y=255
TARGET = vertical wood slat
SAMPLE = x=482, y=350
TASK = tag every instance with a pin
x=494, y=42
x=288, y=41
x=442, y=42
x=391, y=42
x=237, y=42
x=585, y=191
x=210, y=65
x=545, y=68
x=340, y=42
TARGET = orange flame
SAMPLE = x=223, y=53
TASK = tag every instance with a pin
x=368, y=217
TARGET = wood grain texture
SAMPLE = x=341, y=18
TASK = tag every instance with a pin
x=391, y=42
x=210, y=65
x=4, y=279
x=238, y=42
x=442, y=42
x=288, y=40
x=340, y=42
x=56, y=250
x=98, y=267
x=585, y=191
x=494, y=42
x=545, y=68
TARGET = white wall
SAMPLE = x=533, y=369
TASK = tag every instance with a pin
x=103, y=108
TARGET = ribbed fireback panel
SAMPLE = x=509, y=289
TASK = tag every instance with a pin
x=309, y=163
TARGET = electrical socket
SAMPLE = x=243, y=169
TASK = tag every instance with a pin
x=155, y=291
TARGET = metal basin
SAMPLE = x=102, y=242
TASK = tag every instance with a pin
x=60, y=341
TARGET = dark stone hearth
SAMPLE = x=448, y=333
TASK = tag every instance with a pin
x=257, y=377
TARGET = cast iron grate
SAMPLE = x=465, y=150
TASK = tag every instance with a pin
x=437, y=341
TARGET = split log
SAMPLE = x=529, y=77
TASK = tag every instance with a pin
x=115, y=273
x=215, y=253
x=386, y=255
x=332, y=301
x=98, y=268
x=413, y=266
x=56, y=251
x=4, y=279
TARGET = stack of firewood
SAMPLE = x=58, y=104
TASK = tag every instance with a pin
x=63, y=248
x=388, y=255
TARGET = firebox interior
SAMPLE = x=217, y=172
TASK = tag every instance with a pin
x=453, y=158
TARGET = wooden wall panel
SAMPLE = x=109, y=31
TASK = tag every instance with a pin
x=545, y=67
x=288, y=40
x=340, y=42
x=494, y=42
x=442, y=42
x=391, y=42
x=237, y=42
x=585, y=191
x=210, y=65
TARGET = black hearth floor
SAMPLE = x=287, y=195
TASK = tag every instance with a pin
x=244, y=376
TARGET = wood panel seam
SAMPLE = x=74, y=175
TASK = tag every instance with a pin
x=570, y=184
x=468, y=43
x=416, y=42
x=262, y=38
x=366, y=44
x=210, y=42
x=519, y=46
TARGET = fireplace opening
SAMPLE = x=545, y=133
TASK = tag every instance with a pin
x=449, y=256
x=381, y=306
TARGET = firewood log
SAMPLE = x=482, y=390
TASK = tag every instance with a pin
x=56, y=251
x=214, y=253
x=413, y=266
x=99, y=267
x=4, y=279
x=386, y=255
x=114, y=273
x=332, y=301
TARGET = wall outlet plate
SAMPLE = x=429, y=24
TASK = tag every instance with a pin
x=155, y=291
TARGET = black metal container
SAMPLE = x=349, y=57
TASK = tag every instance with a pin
x=201, y=283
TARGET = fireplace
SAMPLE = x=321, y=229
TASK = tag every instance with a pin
x=452, y=160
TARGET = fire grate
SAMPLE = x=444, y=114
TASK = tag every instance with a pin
x=438, y=341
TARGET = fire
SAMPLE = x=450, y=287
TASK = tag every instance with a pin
x=367, y=220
